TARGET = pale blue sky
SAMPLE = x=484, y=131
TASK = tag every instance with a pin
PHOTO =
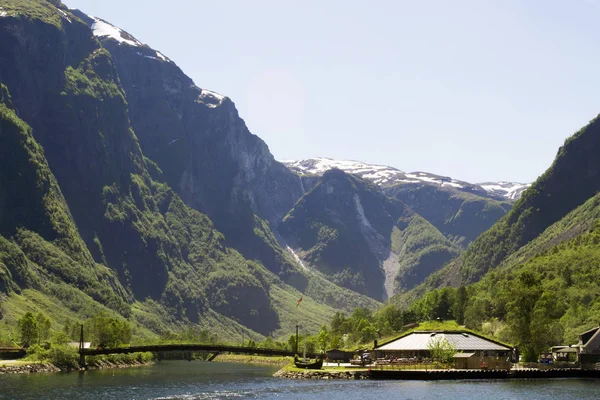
x=474, y=89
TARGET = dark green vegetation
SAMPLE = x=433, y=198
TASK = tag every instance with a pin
x=421, y=249
x=94, y=220
x=361, y=239
x=459, y=215
x=569, y=182
x=102, y=331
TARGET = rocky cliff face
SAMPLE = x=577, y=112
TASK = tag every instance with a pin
x=203, y=147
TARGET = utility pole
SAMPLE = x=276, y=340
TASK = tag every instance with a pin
x=296, y=338
x=81, y=347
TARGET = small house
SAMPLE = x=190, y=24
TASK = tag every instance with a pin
x=337, y=355
x=589, y=346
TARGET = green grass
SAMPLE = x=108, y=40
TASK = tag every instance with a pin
x=34, y=9
x=253, y=359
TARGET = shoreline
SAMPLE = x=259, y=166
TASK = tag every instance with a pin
x=25, y=367
x=434, y=375
x=253, y=359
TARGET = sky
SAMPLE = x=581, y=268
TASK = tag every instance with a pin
x=478, y=90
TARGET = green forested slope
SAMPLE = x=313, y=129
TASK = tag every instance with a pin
x=421, y=249
x=459, y=215
x=539, y=298
x=361, y=239
x=572, y=179
x=537, y=270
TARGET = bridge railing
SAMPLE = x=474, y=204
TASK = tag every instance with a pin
x=189, y=347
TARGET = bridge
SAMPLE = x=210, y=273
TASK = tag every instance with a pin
x=215, y=349
x=12, y=352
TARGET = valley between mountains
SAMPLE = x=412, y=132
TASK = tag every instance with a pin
x=131, y=191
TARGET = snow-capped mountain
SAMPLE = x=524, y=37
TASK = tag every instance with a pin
x=509, y=190
x=388, y=176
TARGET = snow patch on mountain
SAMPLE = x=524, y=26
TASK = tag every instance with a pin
x=211, y=99
x=318, y=166
x=102, y=28
x=510, y=190
x=64, y=14
x=389, y=176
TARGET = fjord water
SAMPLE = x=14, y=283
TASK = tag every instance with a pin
x=200, y=380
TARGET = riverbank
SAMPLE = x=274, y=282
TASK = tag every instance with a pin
x=296, y=373
x=21, y=367
x=253, y=359
x=434, y=375
x=29, y=367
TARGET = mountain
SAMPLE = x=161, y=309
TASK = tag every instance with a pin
x=386, y=176
x=533, y=277
x=361, y=239
x=571, y=180
x=460, y=210
x=126, y=189
x=203, y=148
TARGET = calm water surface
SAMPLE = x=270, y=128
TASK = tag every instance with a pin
x=197, y=380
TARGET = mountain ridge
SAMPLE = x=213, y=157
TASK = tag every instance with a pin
x=385, y=176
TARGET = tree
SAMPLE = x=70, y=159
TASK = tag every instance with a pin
x=525, y=292
x=109, y=332
x=29, y=329
x=338, y=322
x=441, y=349
x=389, y=319
x=43, y=325
x=458, y=308
x=268, y=343
x=323, y=338
x=292, y=343
x=336, y=342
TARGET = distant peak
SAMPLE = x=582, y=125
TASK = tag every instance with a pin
x=105, y=30
x=383, y=175
x=101, y=28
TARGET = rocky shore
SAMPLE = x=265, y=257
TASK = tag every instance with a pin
x=48, y=367
x=28, y=369
x=320, y=374
x=101, y=364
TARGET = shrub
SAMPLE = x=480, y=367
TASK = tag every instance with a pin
x=64, y=357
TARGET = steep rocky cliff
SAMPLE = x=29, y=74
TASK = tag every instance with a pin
x=204, y=148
